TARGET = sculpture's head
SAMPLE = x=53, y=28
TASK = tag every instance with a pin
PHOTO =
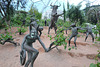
x=54, y=8
x=33, y=33
x=33, y=25
x=73, y=25
x=32, y=19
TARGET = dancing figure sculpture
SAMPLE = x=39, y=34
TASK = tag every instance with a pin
x=89, y=31
x=74, y=33
x=27, y=46
x=54, y=17
x=36, y=26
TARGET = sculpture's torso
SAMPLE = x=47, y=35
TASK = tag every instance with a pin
x=89, y=29
x=74, y=31
x=32, y=37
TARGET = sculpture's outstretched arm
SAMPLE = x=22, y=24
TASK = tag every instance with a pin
x=80, y=28
x=60, y=14
x=42, y=44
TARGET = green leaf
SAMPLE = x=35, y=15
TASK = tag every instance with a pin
x=65, y=47
x=69, y=49
x=98, y=64
x=92, y=65
x=72, y=47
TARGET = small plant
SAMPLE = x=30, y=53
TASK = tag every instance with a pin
x=60, y=38
x=98, y=38
x=97, y=64
x=22, y=30
x=78, y=35
x=5, y=36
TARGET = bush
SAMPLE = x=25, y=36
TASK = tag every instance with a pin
x=5, y=36
x=22, y=30
x=98, y=39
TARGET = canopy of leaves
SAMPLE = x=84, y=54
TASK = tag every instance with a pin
x=75, y=14
x=34, y=10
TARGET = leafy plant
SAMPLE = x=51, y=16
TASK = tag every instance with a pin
x=5, y=36
x=60, y=38
x=97, y=64
x=22, y=30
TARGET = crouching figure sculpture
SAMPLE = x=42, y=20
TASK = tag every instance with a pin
x=74, y=33
x=27, y=46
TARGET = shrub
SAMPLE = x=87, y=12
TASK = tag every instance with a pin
x=22, y=30
x=5, y=36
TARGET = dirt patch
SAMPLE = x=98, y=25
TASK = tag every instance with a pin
x=72, y=54
x=78, y=43
x=91, y=56
x=41, y=50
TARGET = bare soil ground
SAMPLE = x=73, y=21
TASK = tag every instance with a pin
x=82, y=57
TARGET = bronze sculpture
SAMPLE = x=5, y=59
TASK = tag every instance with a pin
x=54, y=18
x=74, y=33
x=27, y=46
x=35, y=25
x=89, y=31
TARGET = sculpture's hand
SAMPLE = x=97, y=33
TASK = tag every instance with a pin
x=47, y=50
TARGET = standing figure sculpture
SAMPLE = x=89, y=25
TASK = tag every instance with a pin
x=74, y=33
x=27, y=46
x=89, y=31
x=54, y=17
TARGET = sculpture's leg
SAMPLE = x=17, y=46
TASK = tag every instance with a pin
x=29, y=59
x=55, y=28
x=75, y=38
x=35, y=54
x=48, y=30
x=40, y=33
x=66, y=31
x=92, y=37
x=86, y=36
x=70, y=39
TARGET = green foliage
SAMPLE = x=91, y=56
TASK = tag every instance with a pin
x=98, y=38
x=78, y=35
x=41, y=22
x=5, y=36
x=60, y=38
x=95, y=31
x=28, y=19
x=98, y=26
x=97, y=64
x=34, y=10
x=75, y=14
x=69, y=49
x=92, y=65
x=18, y=18
x=22, y=29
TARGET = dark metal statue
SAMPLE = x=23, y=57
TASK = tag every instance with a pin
x=45, y=23
x=54, y=17
x=27, y=46
x=24, y=22
x=74, y=33
x=89, y=31
x=36, y=26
